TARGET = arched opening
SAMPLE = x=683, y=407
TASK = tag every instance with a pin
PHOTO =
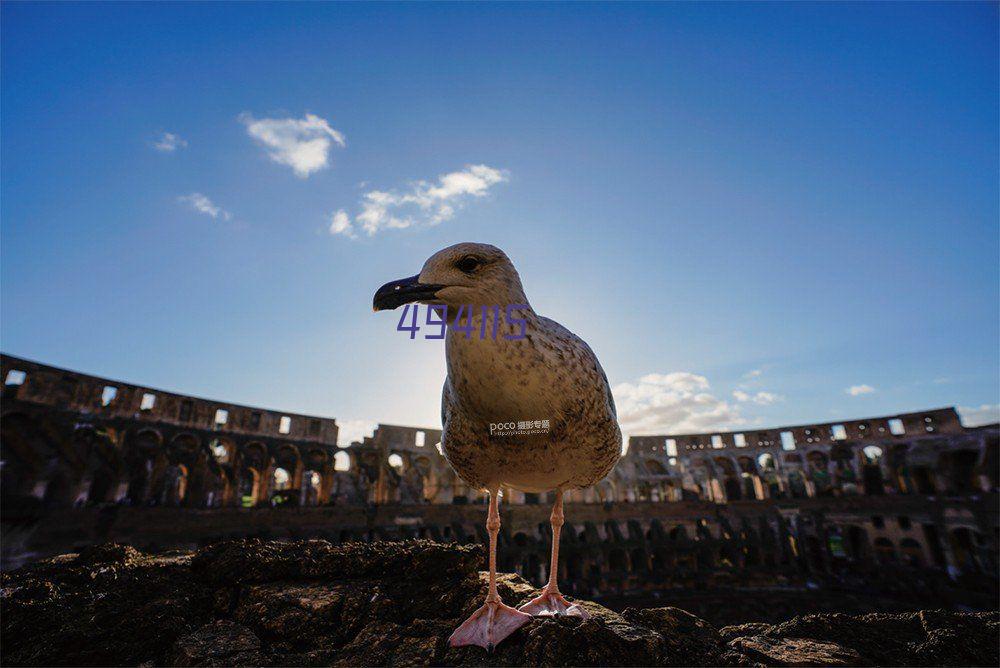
x=311, y=484
x=281, y=486
x=731, y=481
x=885, y=551
x=797, y=484
x=341, y=461
x=911, y=552
x=222, y=451
x=960, y=471
x=753, y=488
x=617, y=561
x=249, y=487
x=964, y=550
x=640, y=561
x=819, y=473
x=23, y=464
x=769, y=475
x=923, y=479
x=872, y=479
x=175, y=485
x=140, y=457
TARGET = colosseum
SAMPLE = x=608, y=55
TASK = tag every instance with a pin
x=900, y=505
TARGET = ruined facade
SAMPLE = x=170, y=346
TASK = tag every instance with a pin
x=925, y=453
x=70, y=439
x=86, y=459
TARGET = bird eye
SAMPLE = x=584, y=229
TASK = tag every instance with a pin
x=468, y=264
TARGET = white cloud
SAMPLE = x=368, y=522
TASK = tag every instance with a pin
x=985, y=414
x=760, y=398
x=168, y=142
x=202, y=203
x=858, y=390
x=767, y=398
x=350, y=431
x=753, y=373
x=425, y=203
x=300, y=143
x=340, y=223
x=672, y=403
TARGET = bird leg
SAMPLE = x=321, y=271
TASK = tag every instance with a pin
x=494, y=621
x=551, y=602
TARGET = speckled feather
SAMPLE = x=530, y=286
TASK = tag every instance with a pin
x=551, y=375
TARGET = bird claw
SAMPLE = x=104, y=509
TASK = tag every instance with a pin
x=553, y=604
x=488, y=626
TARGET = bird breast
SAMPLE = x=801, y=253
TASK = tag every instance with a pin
x=542, y=376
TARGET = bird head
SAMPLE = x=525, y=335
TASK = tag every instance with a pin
x=466, y=273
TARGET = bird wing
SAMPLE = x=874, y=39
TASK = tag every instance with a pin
x=584, y=356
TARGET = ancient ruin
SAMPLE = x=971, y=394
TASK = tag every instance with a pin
x=87, y=459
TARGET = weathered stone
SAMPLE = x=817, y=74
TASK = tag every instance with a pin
x=220, y=643
x=395, y=604
x=688, y=639
x=796, y=652
x=740, y=630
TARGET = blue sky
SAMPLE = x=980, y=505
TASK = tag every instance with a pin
x=747, y=210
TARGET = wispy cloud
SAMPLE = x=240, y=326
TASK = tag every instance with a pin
x=168, y=142
x=976, y=416
x=340, y=223
x=300, y=143
x=672, y=403
x=422, y=204
x=203, y=204
x=858, y=390
x=760, y=398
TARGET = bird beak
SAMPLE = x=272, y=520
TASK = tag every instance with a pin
x=404, y=291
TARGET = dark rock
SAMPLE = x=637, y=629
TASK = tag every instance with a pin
x=310, y=603
x=219, y=643
x=796, y=652
x=109, y=553
x=689, y=640
x=740, y=630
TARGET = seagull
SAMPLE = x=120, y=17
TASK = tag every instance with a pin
x=509, y=371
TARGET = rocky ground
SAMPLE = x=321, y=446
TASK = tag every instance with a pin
x=310, y=603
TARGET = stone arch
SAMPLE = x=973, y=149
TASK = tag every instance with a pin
x=315, y=478
x=818, y=464
x=963, y=547
x=911, y=552
x=145, y=460
x=175, y=481
x=730, y=478
x=871, y=457
x=753, y=487
x=24, y=465
x=885, y=551
x=617, y=561
x=959, y=467
x=253, y=464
